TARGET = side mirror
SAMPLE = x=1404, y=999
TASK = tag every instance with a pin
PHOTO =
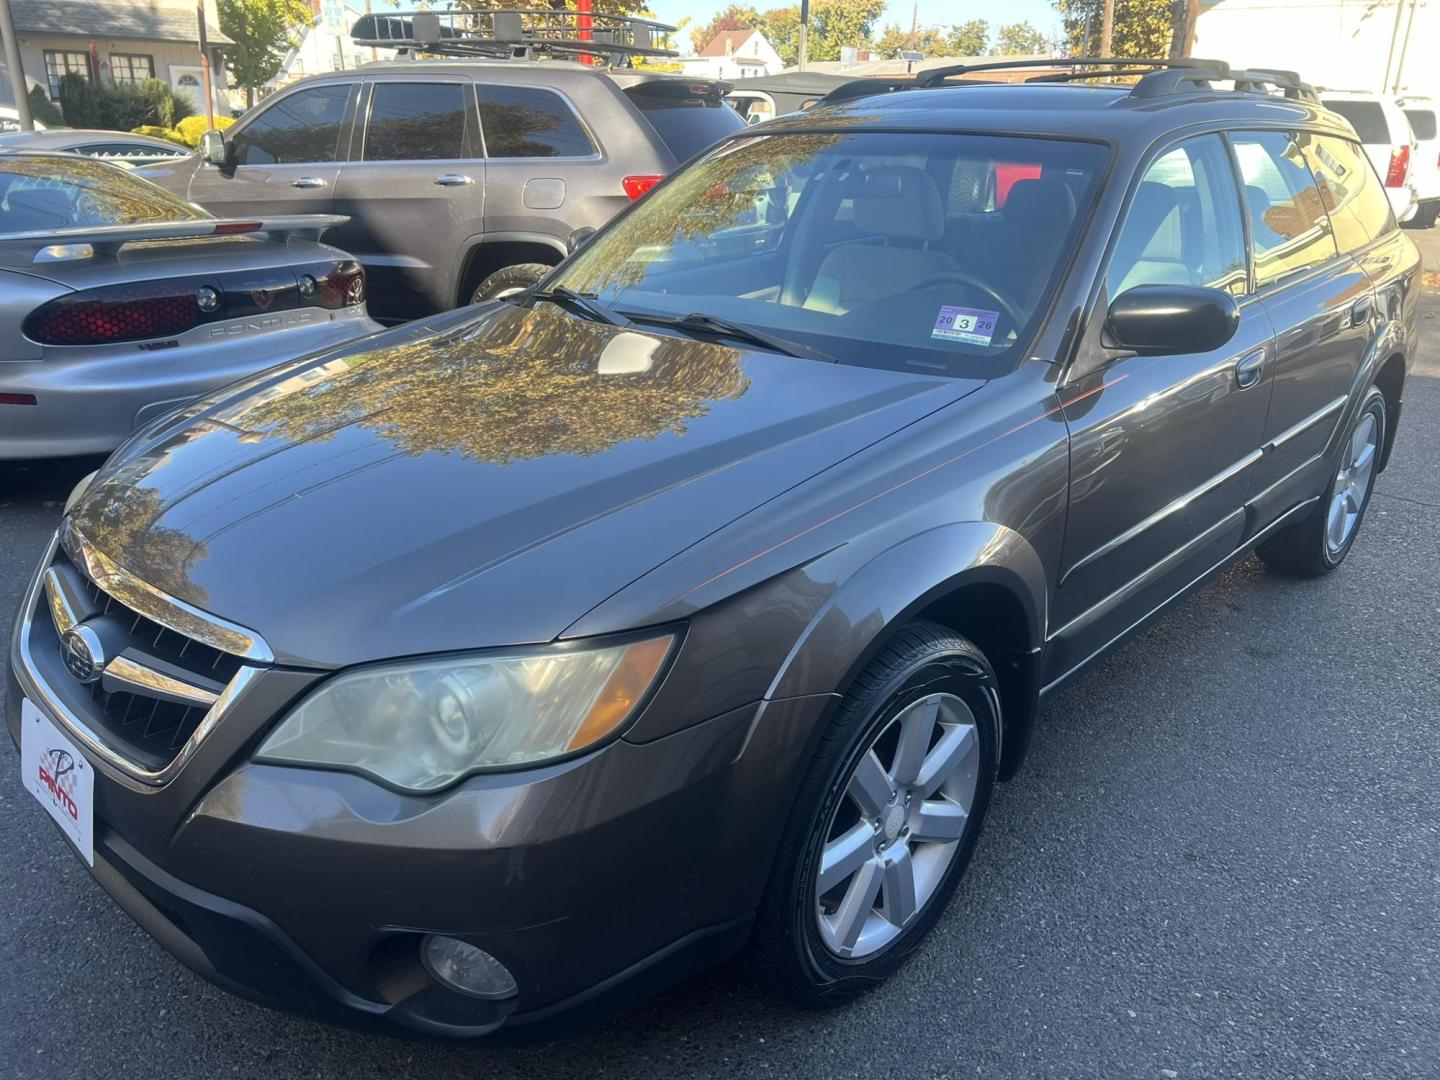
x=1160, y=320
x=214, y=149
x=580, y=237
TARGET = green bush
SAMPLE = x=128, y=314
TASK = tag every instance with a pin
x=168, y=108
x=123, y=106
x=78, y=101
x=44, y=110
x=191, y=128
x=158, y=132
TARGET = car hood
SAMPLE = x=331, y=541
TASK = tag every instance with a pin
x=481, y=486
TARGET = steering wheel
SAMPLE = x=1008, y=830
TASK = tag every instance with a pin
x=1006, y=305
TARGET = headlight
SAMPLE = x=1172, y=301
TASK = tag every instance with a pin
x=423, y=725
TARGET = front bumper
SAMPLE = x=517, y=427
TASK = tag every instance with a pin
x=594, y=881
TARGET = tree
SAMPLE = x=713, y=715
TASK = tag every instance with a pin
x=734, y=17
x=263, y=31
x=1020, y=39
x=1143, y=28
x=834, y=24
x=968, y=38
x=929, y=40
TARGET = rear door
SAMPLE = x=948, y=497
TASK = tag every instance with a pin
x=1319, y=299
x=1163, y=448
x=286, y=158
x=415, y=191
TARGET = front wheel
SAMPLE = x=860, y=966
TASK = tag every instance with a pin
x=1319, y=542
x=885, y=820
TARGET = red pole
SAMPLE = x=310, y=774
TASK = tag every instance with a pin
x=583, y=22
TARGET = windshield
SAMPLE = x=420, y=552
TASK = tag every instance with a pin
x=930, y=252
x=44, y=192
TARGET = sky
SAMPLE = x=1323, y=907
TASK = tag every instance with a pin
x=1041, y=13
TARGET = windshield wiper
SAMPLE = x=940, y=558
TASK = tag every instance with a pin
x=718, y=327
x=585, y=303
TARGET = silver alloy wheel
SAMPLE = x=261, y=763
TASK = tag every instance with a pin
x=897, y=828
x=1352, y=484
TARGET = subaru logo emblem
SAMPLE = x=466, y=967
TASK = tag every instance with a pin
x=82, y=654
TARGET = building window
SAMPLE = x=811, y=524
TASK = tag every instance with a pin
x=131, y=67
x=64, y=63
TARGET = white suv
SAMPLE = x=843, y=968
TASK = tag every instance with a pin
x=1388, y=141
x=1421, y=112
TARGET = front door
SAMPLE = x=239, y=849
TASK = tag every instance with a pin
x=286, y=158
x=414, y=191
x=1163, y=449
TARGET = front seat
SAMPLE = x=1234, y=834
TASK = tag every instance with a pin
x=902, y=204
x=1036, y=217
x=1150, y=250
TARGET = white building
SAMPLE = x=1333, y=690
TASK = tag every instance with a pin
x=1340, y=44
x=326, y=46
x=734, y=54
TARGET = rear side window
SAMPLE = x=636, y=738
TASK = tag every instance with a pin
x=1289, y=228
x=687, y=117
x=419, y=121
x=1422, y=122
x=1183, y=226
x=302, y=128
x=1349, y=189
x=527, y=122
x=1366, y=117
x=126, y=150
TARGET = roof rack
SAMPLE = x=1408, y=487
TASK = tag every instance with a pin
x=515, y=34
x=1157, y=78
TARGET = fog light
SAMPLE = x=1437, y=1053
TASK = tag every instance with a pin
x=466, y=969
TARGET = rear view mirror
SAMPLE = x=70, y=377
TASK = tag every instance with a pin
x=213, y=148
x=1160, y=320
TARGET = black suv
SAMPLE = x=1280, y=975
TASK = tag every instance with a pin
x=464, y=178
x=528, y=657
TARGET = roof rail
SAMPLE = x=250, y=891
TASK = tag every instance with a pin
x=936, y=76
x=865, y=87
x=515, y=33
x=1256, y=79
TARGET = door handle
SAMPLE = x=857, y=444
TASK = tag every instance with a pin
x=1249, y=369
x=453, y=180
x=1360, y=311
x=308, y=182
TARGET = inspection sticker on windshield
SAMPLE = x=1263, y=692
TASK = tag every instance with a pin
x=970, y=325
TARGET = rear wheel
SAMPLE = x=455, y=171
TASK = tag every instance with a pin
x=509, y=280
x=885, y=821
x=1319, y=542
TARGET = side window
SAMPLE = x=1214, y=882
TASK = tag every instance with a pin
x=301, y=128
x=1288, y=224
x=527, y=122
x=1184, y=225
x=125, y=150
x=1349, y=190
x=419, y=121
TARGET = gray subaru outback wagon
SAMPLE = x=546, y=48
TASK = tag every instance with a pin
x=517, y=661
x=465, y=177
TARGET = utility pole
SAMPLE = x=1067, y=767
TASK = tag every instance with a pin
x=1404, y=47
x=17, y=72
x=1107, y=26
x=1192, y=17
x=1394, y=38
x=914, y=23
x=204, y=65
x=804, y=31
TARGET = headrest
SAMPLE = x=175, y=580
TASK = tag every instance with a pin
x=1152, y=227
x=34, y=208
x=1040, y=201
x=897, y=201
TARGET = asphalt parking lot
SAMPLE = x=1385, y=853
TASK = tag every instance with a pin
x=1222, y=860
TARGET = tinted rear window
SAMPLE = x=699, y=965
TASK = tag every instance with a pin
x=1423, y=121
x=42, y=193
x=1366, y=117
x=528, y=122
x=686, y=122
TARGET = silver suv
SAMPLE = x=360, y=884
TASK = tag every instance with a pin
x=463, y=178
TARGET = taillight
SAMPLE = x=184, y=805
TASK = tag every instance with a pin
x=134, y=312
x=1399, y=167
x=18, y=399
x=635, y=186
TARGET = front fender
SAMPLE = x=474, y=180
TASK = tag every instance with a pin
x=899, y=583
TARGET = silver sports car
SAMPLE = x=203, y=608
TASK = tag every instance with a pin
x=119, y=301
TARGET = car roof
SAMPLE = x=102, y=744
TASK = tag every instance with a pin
x=58, y=136
x=1074, y=110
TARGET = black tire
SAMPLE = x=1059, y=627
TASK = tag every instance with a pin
x=509, y=279
x=1424, y=217
x=787, y=952
x=1302, y=550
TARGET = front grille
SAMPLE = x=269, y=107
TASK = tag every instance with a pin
x=145, y=728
